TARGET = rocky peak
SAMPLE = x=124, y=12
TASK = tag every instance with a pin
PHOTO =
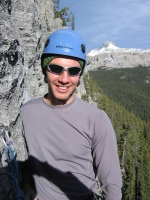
x=109, y=45
x=111, y=56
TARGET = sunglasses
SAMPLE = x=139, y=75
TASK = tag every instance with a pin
x=57, y=69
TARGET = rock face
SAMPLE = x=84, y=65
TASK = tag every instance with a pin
x=111, y=56
x=24, y=27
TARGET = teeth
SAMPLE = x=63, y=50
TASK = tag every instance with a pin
x=62, y=87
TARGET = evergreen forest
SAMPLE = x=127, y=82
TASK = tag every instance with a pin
x=128, y=86
x=124, y=94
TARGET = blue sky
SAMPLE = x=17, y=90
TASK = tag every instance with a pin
x=124, y=22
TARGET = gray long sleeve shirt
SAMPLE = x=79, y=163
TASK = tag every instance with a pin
x=67, y=147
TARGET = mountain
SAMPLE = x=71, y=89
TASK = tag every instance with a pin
x=111, y=56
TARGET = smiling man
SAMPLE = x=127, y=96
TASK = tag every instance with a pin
x=69, y=142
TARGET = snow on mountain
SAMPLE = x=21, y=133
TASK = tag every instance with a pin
x=106, y=46
x=111, y=56
x=94, y=52
x=109, y=47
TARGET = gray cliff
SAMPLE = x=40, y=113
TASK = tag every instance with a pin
x=24, y=27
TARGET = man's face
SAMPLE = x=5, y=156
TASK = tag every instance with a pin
x=61, y=86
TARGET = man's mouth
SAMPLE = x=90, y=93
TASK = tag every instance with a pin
x=63, y=87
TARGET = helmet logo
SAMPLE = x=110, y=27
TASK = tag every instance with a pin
x=83, y=48
x=64, y=47
x=46, y=43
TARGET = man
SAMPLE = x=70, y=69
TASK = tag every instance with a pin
x=69, y=142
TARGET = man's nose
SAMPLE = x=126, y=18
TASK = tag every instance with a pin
x=64, y=77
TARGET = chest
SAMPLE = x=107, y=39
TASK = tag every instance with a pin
x=59, y=140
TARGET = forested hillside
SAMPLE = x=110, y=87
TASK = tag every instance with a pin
x=128, y=86
x=133, y=133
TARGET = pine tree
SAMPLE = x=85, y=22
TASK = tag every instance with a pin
x=56, y=8
x=64, y=14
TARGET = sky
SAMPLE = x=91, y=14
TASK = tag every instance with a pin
x=124, y=22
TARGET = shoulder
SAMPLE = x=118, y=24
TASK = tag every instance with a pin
x=31, y=104
x=99, y=121
x=91, y=110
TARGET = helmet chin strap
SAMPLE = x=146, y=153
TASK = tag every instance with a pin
x=65, y=101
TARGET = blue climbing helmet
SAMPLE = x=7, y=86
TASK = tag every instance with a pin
x=64, y=42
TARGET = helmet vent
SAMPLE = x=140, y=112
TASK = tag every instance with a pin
x=46, y=43
x=83, y=48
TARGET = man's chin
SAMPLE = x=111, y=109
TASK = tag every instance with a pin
x=64, y=99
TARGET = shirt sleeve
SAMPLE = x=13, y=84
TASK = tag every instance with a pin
x=105, y=157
